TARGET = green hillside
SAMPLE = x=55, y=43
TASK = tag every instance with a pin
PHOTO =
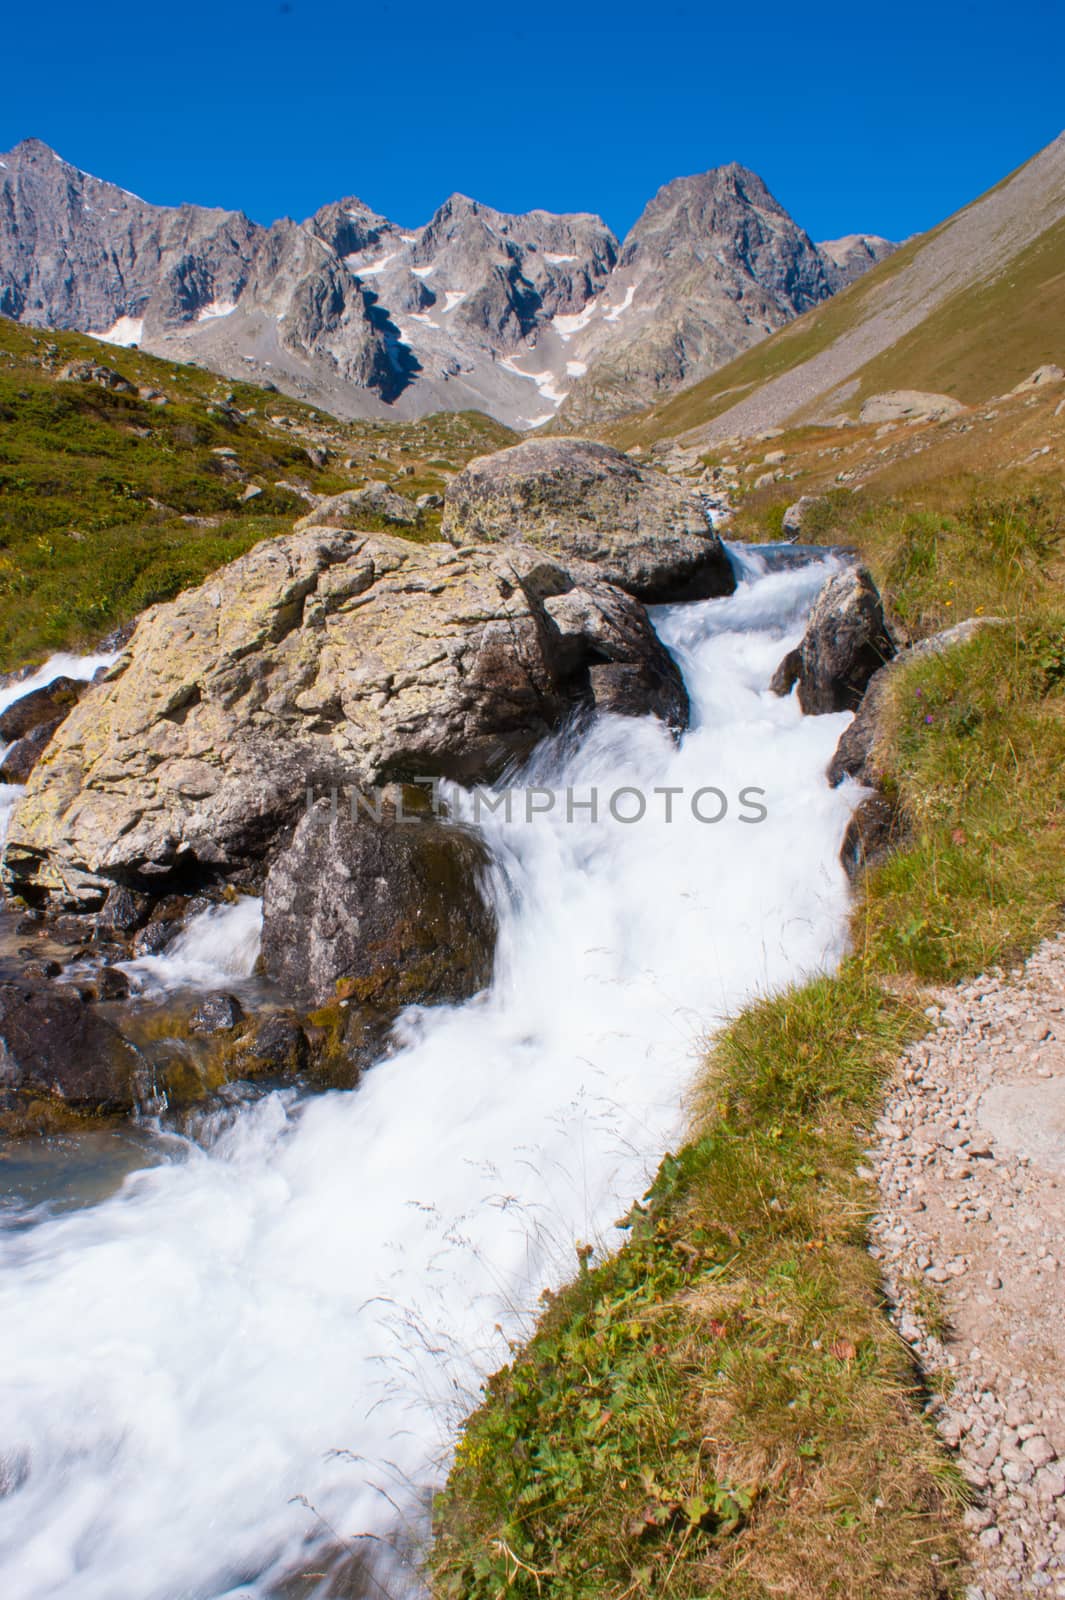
x=112, y=498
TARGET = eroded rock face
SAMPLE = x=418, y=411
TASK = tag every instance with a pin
x=318, y=658
x=578, y=500
x=379, y=913
x=847, y=640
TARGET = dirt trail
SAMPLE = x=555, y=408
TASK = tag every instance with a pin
x=970, y=1162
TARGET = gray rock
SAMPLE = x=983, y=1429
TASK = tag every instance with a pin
x=847, y=640
x=378, y=914
x=910, y=405
x=579, y=500
x=350, y=509
x=848, y=259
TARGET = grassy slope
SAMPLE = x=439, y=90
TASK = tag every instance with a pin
x=721, y=1410
x=109, y=502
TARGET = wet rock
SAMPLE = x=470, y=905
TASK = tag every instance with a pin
x=318, y=658
x=379, y=914
x=49, y=704
x=847, y=640
x=124, y=911
x=217, y=1013
x=38, y=971
x=578, y=500
x=111, y=984
x=53, y=1044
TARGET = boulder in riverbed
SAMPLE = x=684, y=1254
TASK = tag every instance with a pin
x=322, y=657
x=579, y=500
x=847, y=640
x=379, y=913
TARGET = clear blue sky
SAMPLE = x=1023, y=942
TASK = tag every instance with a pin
x=877, y=119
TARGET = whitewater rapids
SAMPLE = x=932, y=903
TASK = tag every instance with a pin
x=270, y=1338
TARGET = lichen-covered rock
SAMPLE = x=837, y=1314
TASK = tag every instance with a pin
x=380, y=914
x=318, y=658
x=847, y=640
x=579, y=500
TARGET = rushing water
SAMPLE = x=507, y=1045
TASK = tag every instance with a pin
x=274, y=1334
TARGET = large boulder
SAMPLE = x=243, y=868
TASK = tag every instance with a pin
x=382, y=912
x=323, y=657
x=910, y=405
x=53, y=1044
x=580, y=500
x=847, y=640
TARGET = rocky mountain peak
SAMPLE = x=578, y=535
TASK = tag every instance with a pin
x=519, y=315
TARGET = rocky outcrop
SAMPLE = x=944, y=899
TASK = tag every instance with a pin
x=323, y=657
x=847, y=640
x=577, y=499
x=378, y=913
x=1049, y=373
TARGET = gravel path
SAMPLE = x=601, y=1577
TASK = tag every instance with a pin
x=969, y=1157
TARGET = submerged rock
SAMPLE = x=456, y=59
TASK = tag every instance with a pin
x=847, y=640
x=322, y=657
x=579, y=500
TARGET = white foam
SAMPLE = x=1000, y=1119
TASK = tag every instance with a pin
x=297, y=1315
x=218, y=946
